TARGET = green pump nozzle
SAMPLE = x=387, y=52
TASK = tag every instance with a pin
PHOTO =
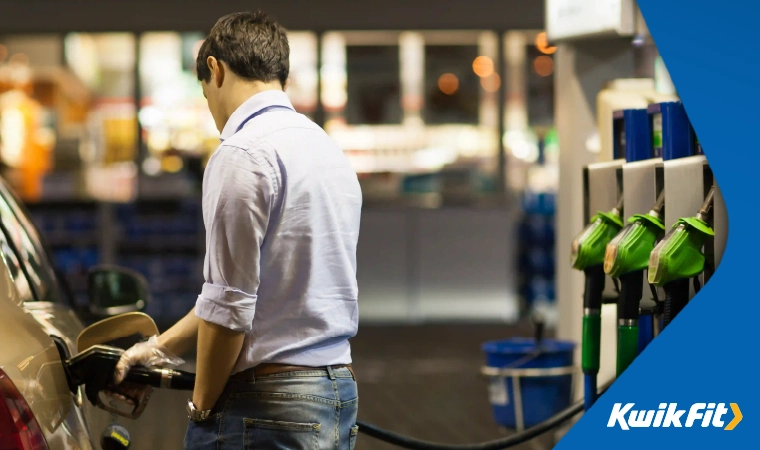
x=626, y=258
x=629, y=250
x=588, y=248
x=679, y=254
x=678, y=257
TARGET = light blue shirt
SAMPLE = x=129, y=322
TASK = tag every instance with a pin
x=281, y=206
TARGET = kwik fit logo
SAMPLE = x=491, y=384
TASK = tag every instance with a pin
x=668, y=415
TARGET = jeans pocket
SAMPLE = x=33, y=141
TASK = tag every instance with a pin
x=203, y=435
x=352, y=438
x=265, y=434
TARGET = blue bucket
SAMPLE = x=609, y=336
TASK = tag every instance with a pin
x=545, y=380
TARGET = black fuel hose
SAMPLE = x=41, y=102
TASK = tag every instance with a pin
x=497, y=444
x=676, y=299
x=510, y=441
x=182, y=380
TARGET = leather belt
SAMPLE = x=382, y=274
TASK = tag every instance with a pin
x=266, y=369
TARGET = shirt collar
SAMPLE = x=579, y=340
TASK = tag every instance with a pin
x=251, y=106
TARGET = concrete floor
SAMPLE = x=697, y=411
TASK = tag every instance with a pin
x=420, y=381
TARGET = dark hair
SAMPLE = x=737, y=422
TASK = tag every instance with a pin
x=254, y=47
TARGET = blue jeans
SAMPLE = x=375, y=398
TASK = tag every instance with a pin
x=304, y=410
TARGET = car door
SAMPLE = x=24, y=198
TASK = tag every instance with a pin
x=43, y=298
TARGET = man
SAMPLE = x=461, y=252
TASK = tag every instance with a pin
x=281, y=206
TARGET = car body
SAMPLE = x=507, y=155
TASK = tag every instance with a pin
x=39, y=326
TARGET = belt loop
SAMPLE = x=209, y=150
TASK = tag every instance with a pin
x=330, y=372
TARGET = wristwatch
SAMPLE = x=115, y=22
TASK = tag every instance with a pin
x=196, y=415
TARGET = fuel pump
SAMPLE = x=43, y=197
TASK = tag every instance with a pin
x=635, y=327
x=687, y=180
x=587, y=254
x=603, y=195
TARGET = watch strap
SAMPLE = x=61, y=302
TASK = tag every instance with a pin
x=195, y=414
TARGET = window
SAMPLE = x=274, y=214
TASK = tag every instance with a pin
x=302, y=83
x=540, y=85
x=38, y=267
x=412, y=102
x=14, y=269
x=105, y=64
x=373, y=85
x=178, y=128
x=27, y=100
x=452, y=88
x=177, y=125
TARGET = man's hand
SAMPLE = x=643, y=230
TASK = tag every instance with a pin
x=127, y=392
x=160, y=350
x=149, y=354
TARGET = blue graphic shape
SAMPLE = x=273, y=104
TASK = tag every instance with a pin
x=708, y=354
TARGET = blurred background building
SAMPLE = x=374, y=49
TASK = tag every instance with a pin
x=446, y=109
x=445, y=112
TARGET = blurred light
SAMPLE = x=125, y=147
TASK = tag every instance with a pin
x=82, y=58
x=594, y=143
x=542, y=44
x=543, y=65
x=448, y=83
x=197, y=48
x=172, y=164
x=116, y=51
x=151, y=166
x=168, y=94
x=3, y=52
x=12, y=129
x=303, y=84
x=114, y=183
x=45, y=137
x=491, y=83
x=523, y=145
x=151, y=116
x=482, y=66
x=638, y=40
x=159, y=140
x=333, y=72
x=434, y=158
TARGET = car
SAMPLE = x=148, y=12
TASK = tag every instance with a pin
x=39, y=325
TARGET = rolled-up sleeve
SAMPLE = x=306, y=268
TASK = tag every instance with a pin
x=238, y=193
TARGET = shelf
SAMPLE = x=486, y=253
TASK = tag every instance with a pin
x=172, y=206
x=153, y=245
x=63, y=204
x=58, y=242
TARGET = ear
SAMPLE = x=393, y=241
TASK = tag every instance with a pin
x=217, y=70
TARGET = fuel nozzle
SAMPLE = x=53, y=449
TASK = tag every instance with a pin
x=679, y=254
x=678, y=257
x=588, y=248
x=629, y=250
x=94, y=368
